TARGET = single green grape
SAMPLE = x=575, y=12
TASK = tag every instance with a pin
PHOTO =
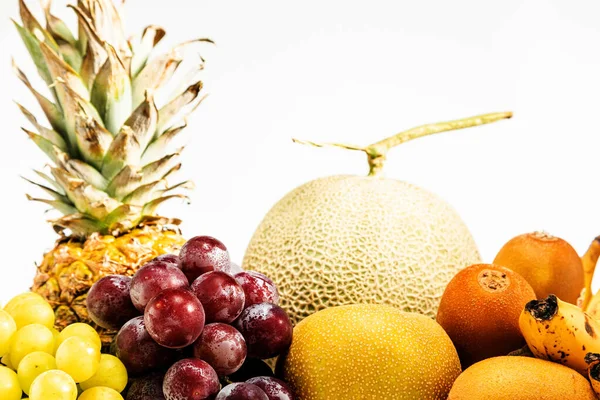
x=30, y=338
x=9, y=385
x=78, y=357
x=20, y=298
x=100, y=393
x=53, y=385
x=111, y=373
x=32, y=311
x=81, y=330
x=7, y=329
x=31, y=366
x=6, y=361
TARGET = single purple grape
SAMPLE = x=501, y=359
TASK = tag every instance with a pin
x=241, y=391
x=109, y=303
x=222, y=346
x=258, y=288
x=152, y=279
x=221, y=296
x=274, y=388
x=138, y=351
x=172, y=259
x=174, y=318
x=267, y=329
x=148, y=387
x=191, y=379
x=251, y=368
x=203, y=254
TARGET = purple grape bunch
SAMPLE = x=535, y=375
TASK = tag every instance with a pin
x=190, y=322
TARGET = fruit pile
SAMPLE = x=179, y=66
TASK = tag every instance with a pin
x=45, y=364
x=519, y=326
x=438, y=323
x=200, y=318
x=500, y=332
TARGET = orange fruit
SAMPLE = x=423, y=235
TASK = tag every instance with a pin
x=480, y=311
x=548, y=263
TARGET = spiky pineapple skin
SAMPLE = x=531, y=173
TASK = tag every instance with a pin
x=69, y=270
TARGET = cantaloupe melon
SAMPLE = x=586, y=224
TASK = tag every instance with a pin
x=350, y=239
x=369, y=352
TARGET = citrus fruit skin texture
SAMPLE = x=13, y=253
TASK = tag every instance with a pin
x=349, y=239
x=369, y=352
x=550, y=264
x=520, y=378
x=480, y=311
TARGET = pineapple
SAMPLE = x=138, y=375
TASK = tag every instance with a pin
x=112, y=111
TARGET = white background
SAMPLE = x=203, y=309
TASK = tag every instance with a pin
x=356, y=72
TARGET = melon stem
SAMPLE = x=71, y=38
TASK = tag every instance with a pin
x=589, y=261
x=377, y=152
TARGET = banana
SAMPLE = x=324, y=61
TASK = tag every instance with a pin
x=589, y=301
x=593, y=360
x=559, y=331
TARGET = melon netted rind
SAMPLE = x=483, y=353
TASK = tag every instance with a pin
x=345, y=240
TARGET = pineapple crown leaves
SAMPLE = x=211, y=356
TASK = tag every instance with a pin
x=113, y=110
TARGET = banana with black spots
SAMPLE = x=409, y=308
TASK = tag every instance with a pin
x=593, y=361
x=561, y=332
